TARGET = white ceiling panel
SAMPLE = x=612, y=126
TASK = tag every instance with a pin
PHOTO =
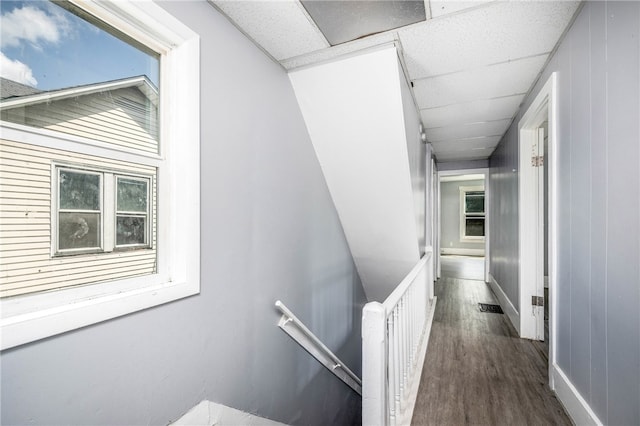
x=509, y=78
x=464, y=155
x=465, y=144
x=445, y=7
x=465, y=131
x=282, y=28
x=461, y=178
x=471, y=112
x=493, y=33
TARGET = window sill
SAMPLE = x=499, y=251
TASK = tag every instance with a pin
x=472, y=239
x=32, y=317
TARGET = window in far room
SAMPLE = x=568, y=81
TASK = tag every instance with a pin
x=472, y=215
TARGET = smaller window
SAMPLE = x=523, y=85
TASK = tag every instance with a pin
x=132, y=212
x=90, y=216
x=472, y=215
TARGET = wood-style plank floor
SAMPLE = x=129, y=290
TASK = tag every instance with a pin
x=468, y=267
x=477, y=370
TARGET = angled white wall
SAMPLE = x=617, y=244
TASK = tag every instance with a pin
x=355, y=116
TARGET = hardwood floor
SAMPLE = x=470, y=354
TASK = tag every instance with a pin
x=477, y=370
x=468, y=267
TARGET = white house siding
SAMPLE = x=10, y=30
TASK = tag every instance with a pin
x=26, y=264
x=123, y=117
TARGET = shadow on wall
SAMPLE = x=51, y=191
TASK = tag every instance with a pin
x=336, y=320
x=323, y=389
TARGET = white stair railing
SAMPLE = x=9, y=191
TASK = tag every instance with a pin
x=291, y=325
x=395, y=334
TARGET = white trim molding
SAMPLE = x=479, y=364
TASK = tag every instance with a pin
x=447, y=174
x=462, y=251
x=505, y=303
x=531, y=211
x=577, y=407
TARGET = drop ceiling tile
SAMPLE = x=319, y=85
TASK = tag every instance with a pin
x=471, y=112
x=282, y=27
x=509, y=78
x=489, y=128
x=445, y=7
x=338, y=51
x=466, y=144
x=489, y=34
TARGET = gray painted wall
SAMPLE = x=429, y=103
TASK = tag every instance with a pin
x=503, y=210
x=598, y=318
x=269, y=231
x=417, y=152
x=450, y=219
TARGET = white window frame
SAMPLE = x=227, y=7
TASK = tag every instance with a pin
x=463, y=216
x=28, y=318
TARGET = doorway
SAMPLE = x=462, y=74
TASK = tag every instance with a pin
x=537, y=225
x=463, y=224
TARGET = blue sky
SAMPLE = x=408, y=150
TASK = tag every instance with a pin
x=49, y=48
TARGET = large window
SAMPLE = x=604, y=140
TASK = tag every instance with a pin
x=99, y=207
x=472, y=215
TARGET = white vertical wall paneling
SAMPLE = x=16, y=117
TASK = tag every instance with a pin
x=597, y=347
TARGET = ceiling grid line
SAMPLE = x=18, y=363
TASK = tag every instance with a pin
x=475, y=100
x=509, y=61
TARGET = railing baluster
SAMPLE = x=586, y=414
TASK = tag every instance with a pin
x=397, y=360
x=404, y=349
x=407, y=353
x=391, y=370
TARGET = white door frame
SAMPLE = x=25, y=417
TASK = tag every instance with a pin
x=487, y=216
x=531, y=215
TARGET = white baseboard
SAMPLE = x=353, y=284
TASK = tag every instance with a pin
x=505, y=303
x=208, y=413
x=576, y=406
x=462, y=251
x=405, y=417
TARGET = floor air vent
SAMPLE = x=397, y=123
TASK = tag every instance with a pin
x=492, y=309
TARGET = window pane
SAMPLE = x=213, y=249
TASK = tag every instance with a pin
x=474, y=202
x=130, y=230
x=132, y=195
x=78, y=230
x=474, y=227
x=99, y=84
x=79, y=191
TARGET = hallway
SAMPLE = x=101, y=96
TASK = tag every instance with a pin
x=477, y=371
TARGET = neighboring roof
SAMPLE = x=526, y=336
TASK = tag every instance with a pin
x=143, y=84
x=10, y=89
